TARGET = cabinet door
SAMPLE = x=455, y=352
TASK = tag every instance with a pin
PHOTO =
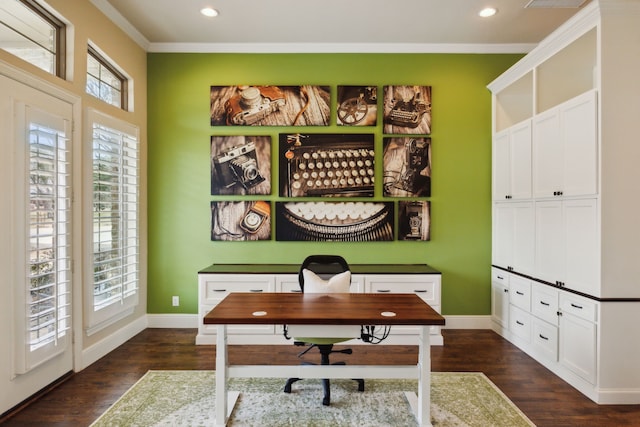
x=512, y=162
x=503, y=226
x=523, y=258
x=578, y=120
x=549, y=241
x=548, y=154
x=521, y=160
x=500, y=298
x=501, y=166
x=578, y=346
x=514, y=236
x=582, y=272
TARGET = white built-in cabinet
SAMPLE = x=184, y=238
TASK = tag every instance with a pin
x=564, y=278
x=512, y=157
x=217, y=281
x=565, y=149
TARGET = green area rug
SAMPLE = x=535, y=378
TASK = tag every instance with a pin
x=186, y=398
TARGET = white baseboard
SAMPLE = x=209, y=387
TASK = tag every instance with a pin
x=113, y=341
x=186, y=321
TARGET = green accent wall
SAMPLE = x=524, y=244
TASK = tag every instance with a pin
x=179, y=133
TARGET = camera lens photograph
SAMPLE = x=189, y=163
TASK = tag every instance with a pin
x=240, y=165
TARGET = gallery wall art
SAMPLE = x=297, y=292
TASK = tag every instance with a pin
x=407, y=109
x=317, y=169
x=407, y=167
x=241, y=221
x=414, y=220
x=357, y=106
x=335, y=221
x=240, y=165
x=332, y=165
x=305, y=105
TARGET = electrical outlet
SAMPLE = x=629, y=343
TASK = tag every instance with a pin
x=175, y=300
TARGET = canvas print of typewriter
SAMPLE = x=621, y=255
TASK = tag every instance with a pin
x=407, y=167
x=407, y=109
x=327, y=165
x=357, y=106
x=305, y=105
x=240, y=165
x=241, y=221
x=414, y=220
x=334, y=221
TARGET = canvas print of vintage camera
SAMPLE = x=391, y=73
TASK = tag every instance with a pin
x=407, y=109
x=240, y=165
x=407, y=167
x=357, y=106
x=241, y=221
x=334, y=221
x=414, y=220
x=329, y=165
x=305, y=105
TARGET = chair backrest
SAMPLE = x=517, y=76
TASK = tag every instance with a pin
x=325, y=266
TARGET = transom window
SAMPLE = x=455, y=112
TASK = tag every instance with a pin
x=104, y=81
x=31, y=32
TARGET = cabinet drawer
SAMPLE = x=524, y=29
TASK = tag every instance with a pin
x=500, y=276
x=520, y=292
x=520, y=323
x=214, y=289
x=544, y=303
x=545, y=339
x=579, y=307
x=426, y=290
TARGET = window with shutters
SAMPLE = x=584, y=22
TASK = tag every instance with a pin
x=46, y=300
x=115, y=206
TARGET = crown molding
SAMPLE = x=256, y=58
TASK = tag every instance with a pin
x=339, y=48
x=110, y=12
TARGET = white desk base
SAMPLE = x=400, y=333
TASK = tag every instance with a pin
x=420, y=404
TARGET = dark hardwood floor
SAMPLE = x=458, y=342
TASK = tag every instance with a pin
x=542, y=396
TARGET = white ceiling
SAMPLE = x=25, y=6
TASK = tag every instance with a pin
x=336, y=25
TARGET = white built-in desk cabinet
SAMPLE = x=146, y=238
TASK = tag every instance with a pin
x=566, y=202
x=218, y=280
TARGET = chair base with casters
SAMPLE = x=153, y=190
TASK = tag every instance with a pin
x=325, y=351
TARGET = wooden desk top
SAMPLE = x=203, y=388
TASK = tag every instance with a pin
x=323, y=309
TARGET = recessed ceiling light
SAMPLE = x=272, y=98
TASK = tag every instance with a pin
x=488, y=11
x=209, y=11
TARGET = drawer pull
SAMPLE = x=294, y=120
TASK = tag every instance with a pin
x=420, y=291
x=576, y=306
x=544, y=303
x=256, y=290
x=519, y=323
x=383, y=290
x=500, y=277
x=519, y=293
x=219, y=290
x=505, y=291
x=543, y=337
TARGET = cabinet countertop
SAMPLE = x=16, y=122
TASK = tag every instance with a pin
x=294, y=268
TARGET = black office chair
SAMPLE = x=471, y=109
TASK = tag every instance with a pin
x=325, y=267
